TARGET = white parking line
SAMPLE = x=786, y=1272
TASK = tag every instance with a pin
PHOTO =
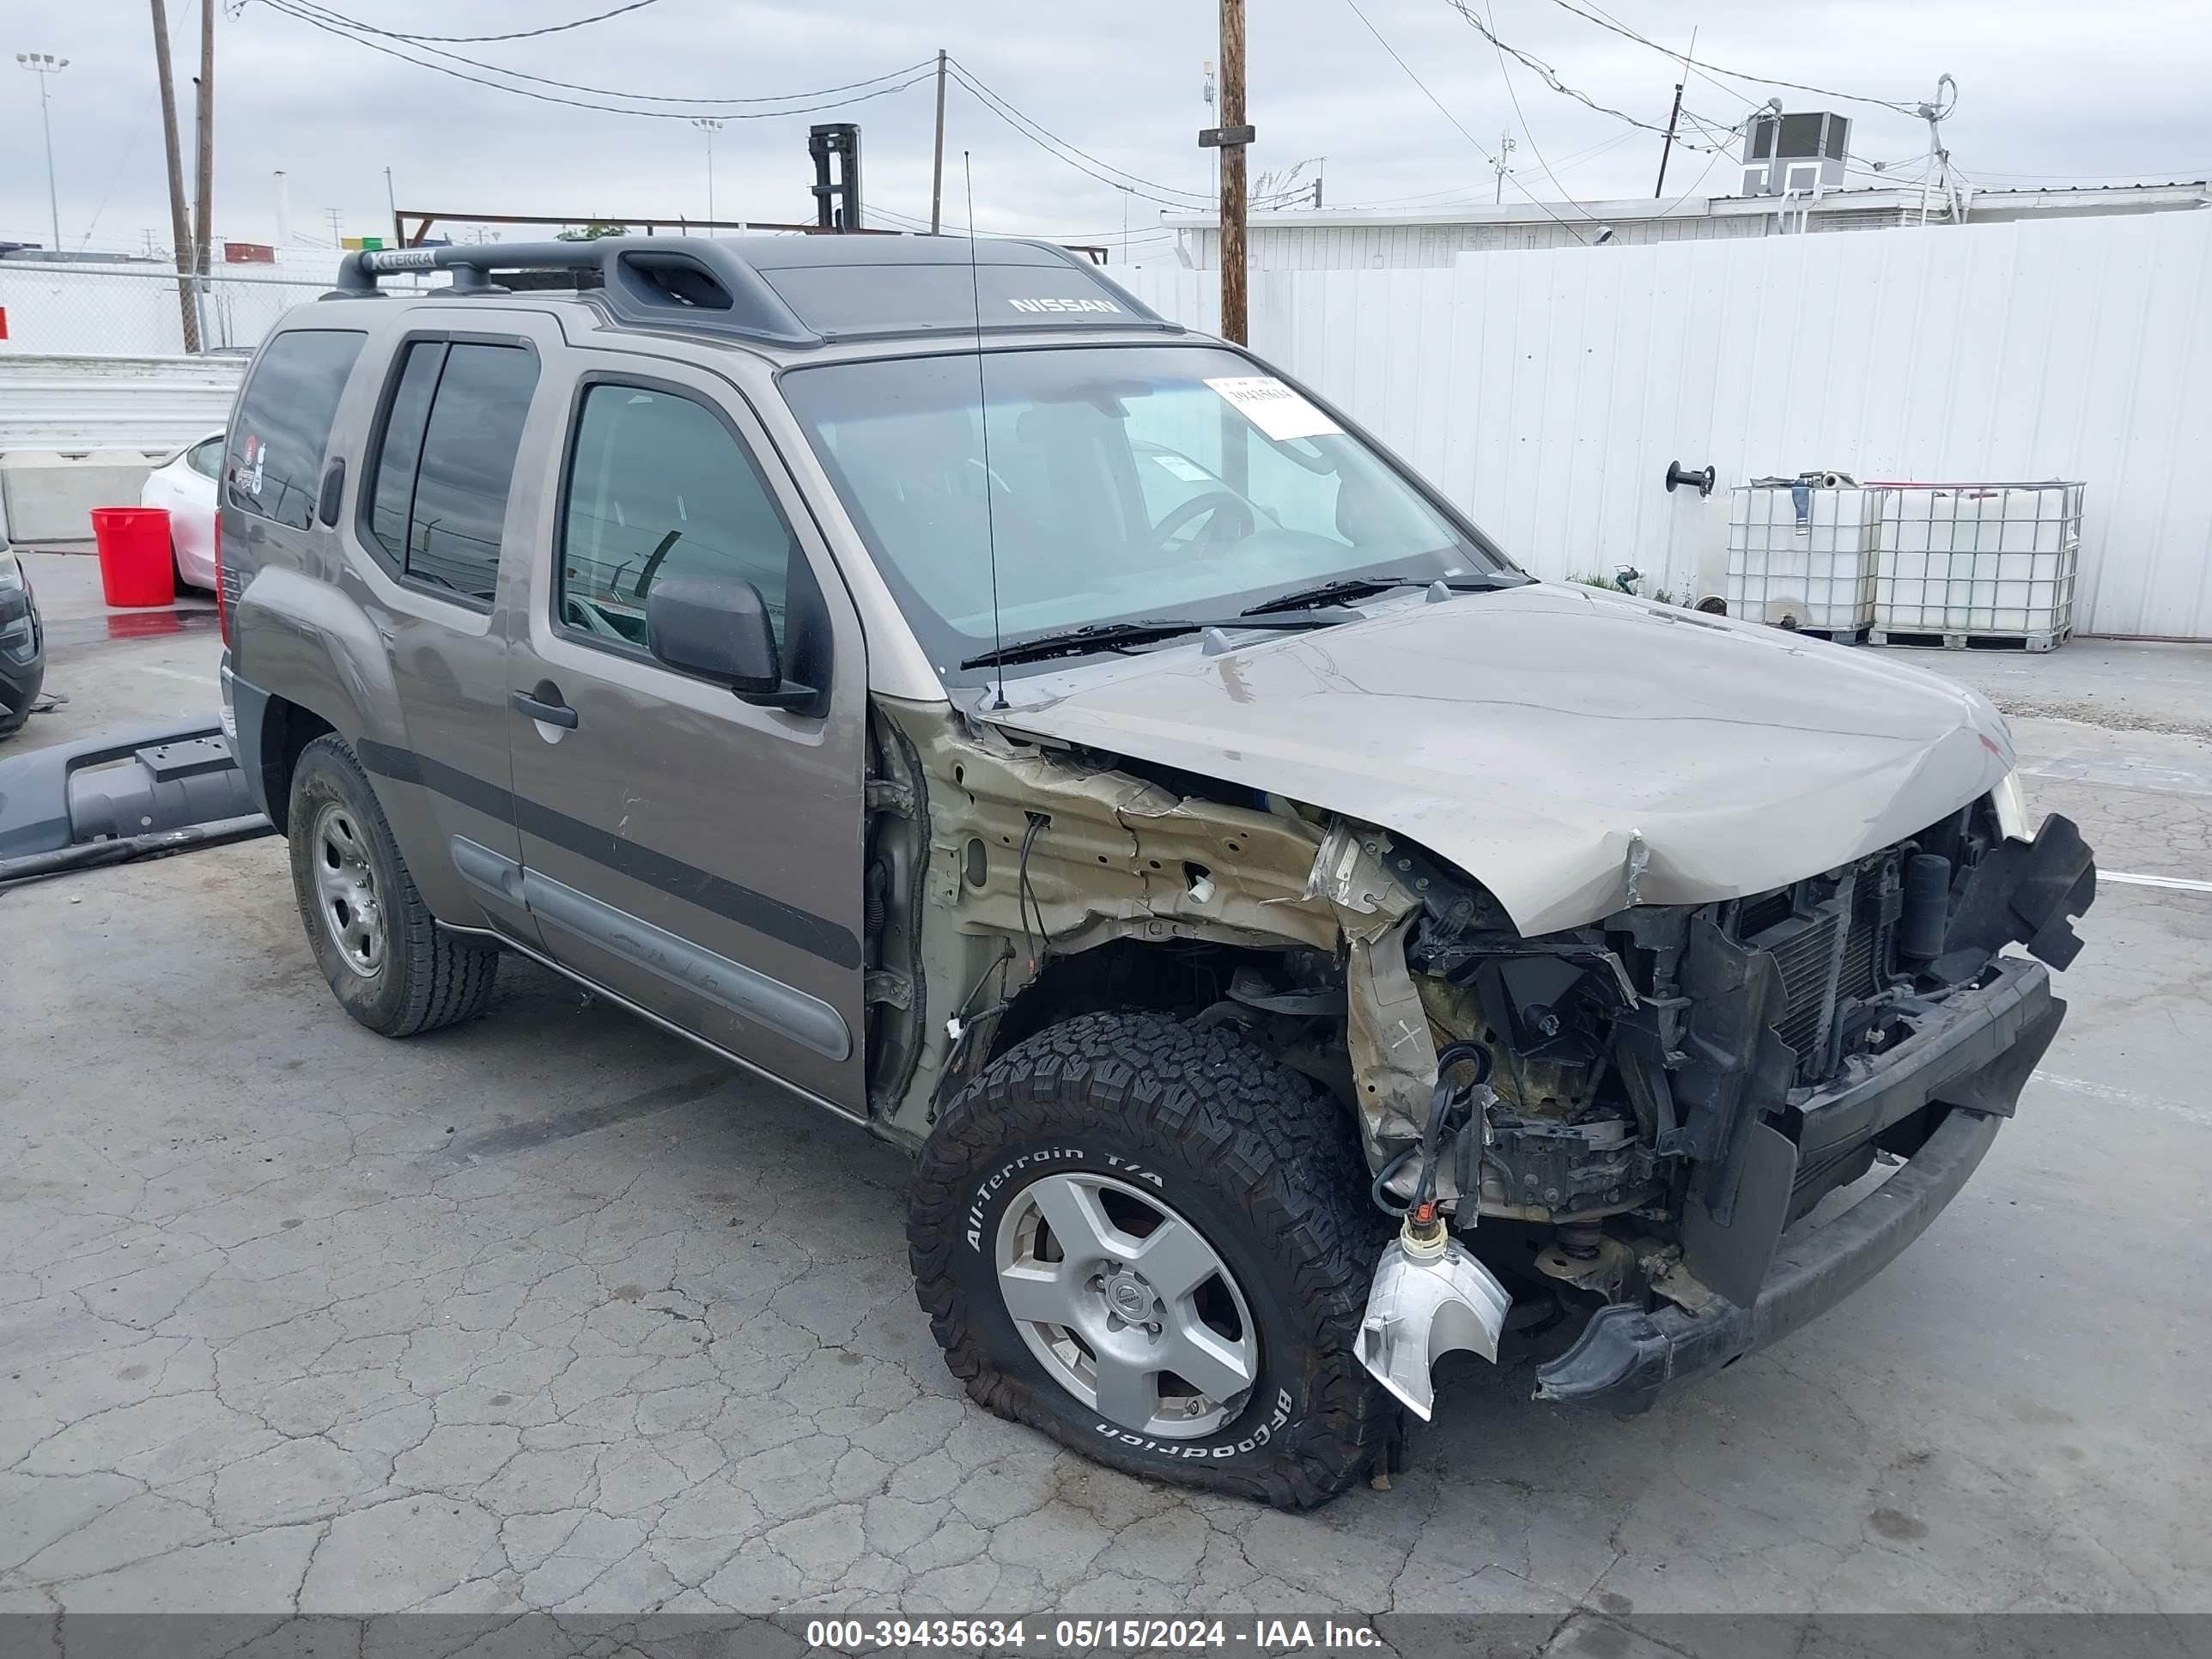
x=2200, y=1115
x=208, y=679
x=2175, y=882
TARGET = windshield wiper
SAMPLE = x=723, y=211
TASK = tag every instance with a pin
x=1117, y=635
x=1365, y=587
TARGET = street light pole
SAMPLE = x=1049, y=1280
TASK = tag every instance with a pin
x=710, y=125
x=45, y=64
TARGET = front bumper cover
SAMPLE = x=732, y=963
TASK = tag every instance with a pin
x=1975, y=1062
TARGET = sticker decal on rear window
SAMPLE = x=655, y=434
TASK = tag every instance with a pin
x=1273, y=408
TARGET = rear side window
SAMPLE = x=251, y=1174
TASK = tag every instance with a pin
x=391, y=499
x=206, y=458
x=446, y=461
x=284, y=424
x=658, y=485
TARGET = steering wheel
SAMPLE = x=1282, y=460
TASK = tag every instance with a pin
x=1210, y=501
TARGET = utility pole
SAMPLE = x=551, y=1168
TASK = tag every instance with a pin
x=1505, y=148
x=709, y=124
x=46, y=66
x=336, y=217
x=1673, y=116
x=204, y=105
x=1231, y=139
x=937, y=156
x=180, y=229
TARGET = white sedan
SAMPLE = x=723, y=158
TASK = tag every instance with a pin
x=184, y=485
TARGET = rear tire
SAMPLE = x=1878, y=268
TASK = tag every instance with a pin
x=1129, y=1127
x=387, y=962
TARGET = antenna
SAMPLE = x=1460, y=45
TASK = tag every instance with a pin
x=983, y=412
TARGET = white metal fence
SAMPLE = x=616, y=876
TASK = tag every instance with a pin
x=1547, y=392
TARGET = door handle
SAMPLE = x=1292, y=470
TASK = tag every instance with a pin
x=543, y=703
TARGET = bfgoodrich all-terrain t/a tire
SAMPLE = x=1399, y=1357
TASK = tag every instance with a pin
x=375, y=940
x=1153, y=1242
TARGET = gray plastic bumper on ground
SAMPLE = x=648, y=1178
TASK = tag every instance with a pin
x=121, y=795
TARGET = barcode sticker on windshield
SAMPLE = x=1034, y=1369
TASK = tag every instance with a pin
x=1274, y=408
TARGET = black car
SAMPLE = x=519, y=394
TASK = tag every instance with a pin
x=22, y=644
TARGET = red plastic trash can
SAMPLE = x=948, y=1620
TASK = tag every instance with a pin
x=135, y=565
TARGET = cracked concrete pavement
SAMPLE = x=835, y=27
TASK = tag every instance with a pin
x=551, y=1311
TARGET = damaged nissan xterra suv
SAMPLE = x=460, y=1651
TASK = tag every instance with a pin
x=1288, y=935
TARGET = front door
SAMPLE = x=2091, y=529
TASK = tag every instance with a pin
x=697, y=855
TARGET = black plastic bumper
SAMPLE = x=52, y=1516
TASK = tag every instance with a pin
x=119, y=796
x=1628, y=1357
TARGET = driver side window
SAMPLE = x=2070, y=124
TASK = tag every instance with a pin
x=657, y=484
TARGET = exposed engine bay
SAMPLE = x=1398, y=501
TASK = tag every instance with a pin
x=1631, y=1111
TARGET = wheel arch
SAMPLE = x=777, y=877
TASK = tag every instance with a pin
x=287, y=728
x=1170, y=977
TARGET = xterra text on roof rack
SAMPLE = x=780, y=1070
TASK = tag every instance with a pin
x=1286, y=932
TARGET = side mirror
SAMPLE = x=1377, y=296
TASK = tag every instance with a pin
x=718, y=628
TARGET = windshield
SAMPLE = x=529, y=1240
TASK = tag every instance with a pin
x=1125, y=483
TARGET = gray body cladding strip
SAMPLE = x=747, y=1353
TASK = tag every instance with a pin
x=746, y=991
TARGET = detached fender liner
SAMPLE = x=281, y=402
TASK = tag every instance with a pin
x=1626, y=1358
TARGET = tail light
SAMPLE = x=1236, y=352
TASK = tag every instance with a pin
x=222, y=584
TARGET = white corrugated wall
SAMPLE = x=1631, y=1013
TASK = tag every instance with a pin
x=1546, y=391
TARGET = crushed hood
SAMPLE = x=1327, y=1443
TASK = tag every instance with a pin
x=1574, y=751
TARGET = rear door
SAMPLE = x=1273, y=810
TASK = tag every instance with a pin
x=697, y=855
x=435, y=509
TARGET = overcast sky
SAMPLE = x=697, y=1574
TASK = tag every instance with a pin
x=2048, y=91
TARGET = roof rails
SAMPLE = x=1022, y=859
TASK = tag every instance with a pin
x=657, y=276
x=793, y=291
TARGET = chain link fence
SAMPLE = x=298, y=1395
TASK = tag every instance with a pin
x=57, y=308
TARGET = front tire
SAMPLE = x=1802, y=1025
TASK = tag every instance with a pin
x=387, y=962
x=1153, y=1242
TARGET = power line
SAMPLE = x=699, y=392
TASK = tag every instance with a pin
x=1711, y=162
x=332, y=23
x=1571, y=159
x=1551, y=77
x=1506, y=76
x=1719, y=135
x=921, y=72
x=1037, y=134
x=137, y=138
x=1563, y=224
x=1683, y=58
x=1096, y=168
x=1625, y=32
x=352, y=25
x=513, y=34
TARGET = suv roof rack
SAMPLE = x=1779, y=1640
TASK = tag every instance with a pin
x=794, y=291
